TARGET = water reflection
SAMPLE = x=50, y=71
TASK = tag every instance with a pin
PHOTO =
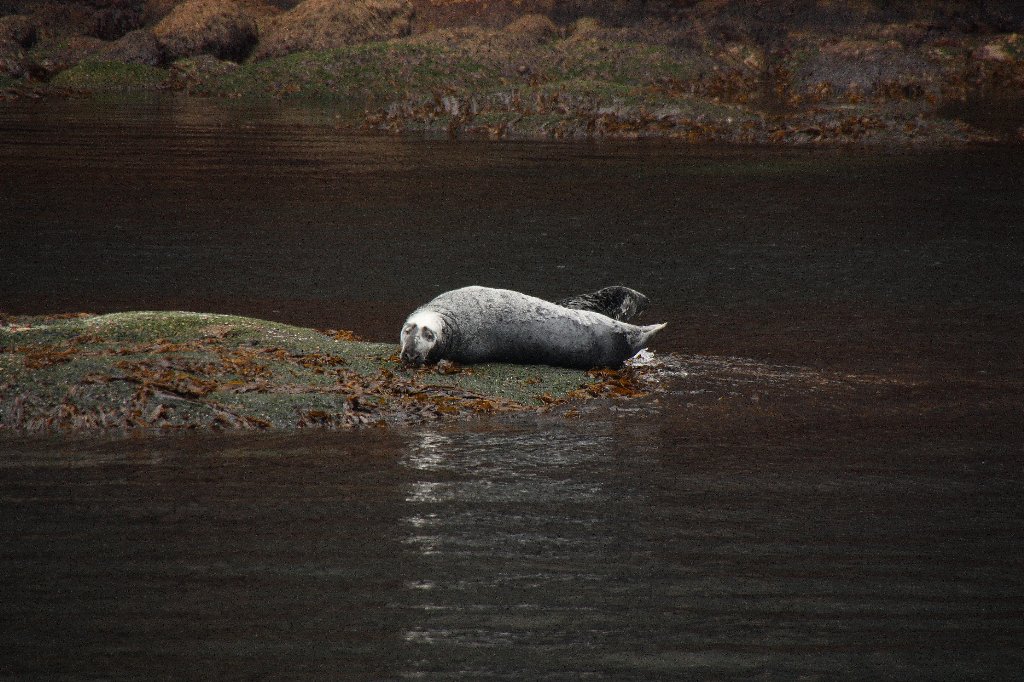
x=509, y=526
x=620, y=547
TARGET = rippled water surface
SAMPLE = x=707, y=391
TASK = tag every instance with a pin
x=827, y=481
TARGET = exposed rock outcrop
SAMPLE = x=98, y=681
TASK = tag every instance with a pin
x=326, y=24
x=14, y=63
x=136, y=47
x=220, y=28
x=19, y=29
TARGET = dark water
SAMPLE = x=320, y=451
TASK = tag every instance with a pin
x=828, y=483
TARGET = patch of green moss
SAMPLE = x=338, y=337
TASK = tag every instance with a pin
x=515, y=382
x=368, y=71
x=379, y=71
x=6, y=82
x=99, y=76
x=598, y=90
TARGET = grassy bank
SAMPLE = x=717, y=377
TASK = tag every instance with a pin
x=174, y=370
x=594, y=83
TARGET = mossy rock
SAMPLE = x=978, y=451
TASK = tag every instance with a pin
x=195, y=370
x=370, y=71
x=108, y=76
x=9, y=82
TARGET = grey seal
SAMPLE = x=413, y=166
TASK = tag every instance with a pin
x=479, y=324
x=619, y=303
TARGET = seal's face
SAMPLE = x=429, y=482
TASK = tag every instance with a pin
x=420, y=337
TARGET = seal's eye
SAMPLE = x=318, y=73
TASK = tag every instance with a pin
x=428, y=335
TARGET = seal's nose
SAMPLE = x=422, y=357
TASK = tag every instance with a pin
x=409, y=358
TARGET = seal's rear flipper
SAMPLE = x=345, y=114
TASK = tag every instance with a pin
x=644, y=335
x=618, y=303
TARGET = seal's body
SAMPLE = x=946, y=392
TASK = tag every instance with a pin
x=478, y=324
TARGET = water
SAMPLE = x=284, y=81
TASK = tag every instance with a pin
x=827, y=483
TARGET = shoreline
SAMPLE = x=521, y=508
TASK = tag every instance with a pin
x=834, y=128
x=709, y=77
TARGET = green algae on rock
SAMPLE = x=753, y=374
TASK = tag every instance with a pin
x=197, y=370
x=93, y=75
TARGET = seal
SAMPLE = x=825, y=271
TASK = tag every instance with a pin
x=479, y=324
x=619, y=303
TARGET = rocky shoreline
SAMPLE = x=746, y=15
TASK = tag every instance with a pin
x=181, y=370
x=835, y=72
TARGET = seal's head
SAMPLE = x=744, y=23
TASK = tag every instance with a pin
x=421, y=338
